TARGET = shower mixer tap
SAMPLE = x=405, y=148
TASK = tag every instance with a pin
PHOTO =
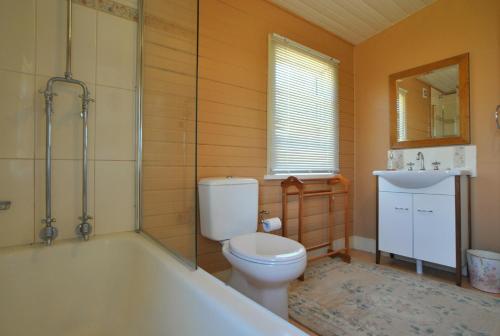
x=84, y=229
x=49, y=232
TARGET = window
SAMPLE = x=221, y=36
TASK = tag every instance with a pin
x=402, y=136
x=303, y=135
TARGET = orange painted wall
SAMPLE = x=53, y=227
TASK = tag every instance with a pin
x=232, y=104
x=444, y=29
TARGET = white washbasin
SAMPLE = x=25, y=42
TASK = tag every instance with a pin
x=418, y=178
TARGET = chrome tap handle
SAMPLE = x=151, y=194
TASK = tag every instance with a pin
x=410, y=165
x=436, y=165
x=48, y=220
x=84, y=230
x=49, y=233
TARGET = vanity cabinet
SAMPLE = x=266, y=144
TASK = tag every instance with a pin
x=434, y=229
x=396, y=229
x=428, y=224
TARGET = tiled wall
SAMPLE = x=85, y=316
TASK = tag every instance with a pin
x=32, y=49
x=449, y=157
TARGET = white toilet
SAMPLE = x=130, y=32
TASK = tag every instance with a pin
x=263, y=263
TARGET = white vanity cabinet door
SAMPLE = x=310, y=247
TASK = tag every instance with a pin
x=395, y=223
x=434, y=228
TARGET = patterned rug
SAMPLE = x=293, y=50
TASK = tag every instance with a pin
x=367, y=299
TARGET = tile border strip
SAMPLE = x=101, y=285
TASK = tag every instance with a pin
x=111, y=7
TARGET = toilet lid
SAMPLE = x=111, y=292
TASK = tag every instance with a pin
x=266, y=248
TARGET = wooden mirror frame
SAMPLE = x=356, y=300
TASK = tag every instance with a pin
x=463, y=77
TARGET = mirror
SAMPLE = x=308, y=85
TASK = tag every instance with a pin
x=430, y=104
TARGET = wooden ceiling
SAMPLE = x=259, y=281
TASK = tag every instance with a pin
x=353, y=20
x=445, y=79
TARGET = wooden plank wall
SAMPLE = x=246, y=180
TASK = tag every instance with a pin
x=233, y=102
x=169, y=124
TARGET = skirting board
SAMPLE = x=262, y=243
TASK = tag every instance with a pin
x=369, y=245
x=435, y=266
x=357, y=243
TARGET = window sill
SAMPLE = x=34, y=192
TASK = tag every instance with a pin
x=300, y=176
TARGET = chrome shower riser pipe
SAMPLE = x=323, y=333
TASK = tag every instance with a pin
x=84, y=229
x=49, y=232
x=69, y=38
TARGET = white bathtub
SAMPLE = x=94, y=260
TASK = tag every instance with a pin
x=120, y=284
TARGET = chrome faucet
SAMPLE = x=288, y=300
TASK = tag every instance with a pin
x=420, y=157
x=84, y=229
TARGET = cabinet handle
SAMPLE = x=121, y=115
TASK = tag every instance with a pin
x=425, y=211
x=406, y=209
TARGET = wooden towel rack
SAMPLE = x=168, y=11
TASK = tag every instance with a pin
x=302, y=193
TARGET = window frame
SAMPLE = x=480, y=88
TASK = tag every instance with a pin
x=271, y=109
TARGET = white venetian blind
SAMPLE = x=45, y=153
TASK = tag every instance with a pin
x=401, y=107
x=303, y=110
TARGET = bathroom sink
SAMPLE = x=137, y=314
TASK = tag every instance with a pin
x=418, y=178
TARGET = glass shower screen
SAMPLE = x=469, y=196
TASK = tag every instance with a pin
x=169, y=87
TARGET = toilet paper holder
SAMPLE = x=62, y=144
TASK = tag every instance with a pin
x=263, y=213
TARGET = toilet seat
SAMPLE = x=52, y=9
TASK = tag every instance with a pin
x=266, y=248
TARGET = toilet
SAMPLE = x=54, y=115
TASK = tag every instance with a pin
x=263, y=264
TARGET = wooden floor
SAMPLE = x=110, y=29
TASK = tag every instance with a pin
x=429, y=273
x=302, y=327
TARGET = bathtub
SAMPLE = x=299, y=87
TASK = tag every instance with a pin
x=121, y=284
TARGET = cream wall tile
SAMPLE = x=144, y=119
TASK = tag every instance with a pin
x=17, y=35
x=17, y=115
x=16, y=181
x=66, y=195
x=115, y=196
x=33, y=40
x=51, y=40
x=115, y=124
x=116, y=51
x=67, y=127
